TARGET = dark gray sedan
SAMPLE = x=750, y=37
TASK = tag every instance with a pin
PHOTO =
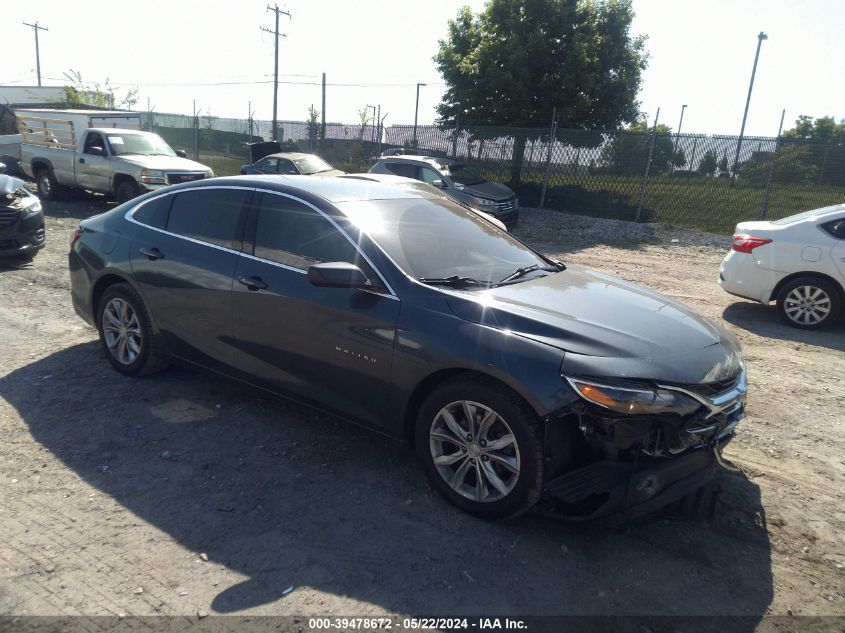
x=515, y=377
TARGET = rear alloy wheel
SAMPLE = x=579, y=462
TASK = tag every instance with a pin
x=482, y=449
x=48, y=188
x=808, y=303
x=125, y=332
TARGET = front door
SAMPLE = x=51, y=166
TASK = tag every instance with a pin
x=93, y=169
x=329, y=346
x=183, y=257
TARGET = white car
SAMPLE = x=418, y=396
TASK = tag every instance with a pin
x=798, y=261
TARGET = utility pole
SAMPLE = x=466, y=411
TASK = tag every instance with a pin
x=37, y=28
x=416, y=112
x=678, y=135
x=323, y=114
x=275, y=9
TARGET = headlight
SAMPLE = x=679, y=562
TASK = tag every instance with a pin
x=483, y=202
x=32, y=209
x=153, y=177
x=633, y=400
x=209, y=174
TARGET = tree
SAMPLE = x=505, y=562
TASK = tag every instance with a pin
x=627, y=154
x=709, y=162
x=820, y=145
x=312, y=127
x=80, y=93
x=517, y=60
x=723, y=164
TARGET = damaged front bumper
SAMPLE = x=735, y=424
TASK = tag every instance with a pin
x=639, y=464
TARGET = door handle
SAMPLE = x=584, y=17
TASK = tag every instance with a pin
x=81, y=160
x=253, y=283
x=152, y=253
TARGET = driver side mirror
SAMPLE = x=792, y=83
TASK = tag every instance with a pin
x=96, y=151
x=337, y=275
x=438, y=183
x=181, y=153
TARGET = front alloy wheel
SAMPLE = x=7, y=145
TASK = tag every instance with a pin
x=474, y=451
x=481, y=446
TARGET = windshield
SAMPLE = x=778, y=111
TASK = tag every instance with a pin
x=139, y=144
x=312, y=165
x=432, y=238
x=463, y=175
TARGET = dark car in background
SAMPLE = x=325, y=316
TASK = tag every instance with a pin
x=515, y=377
x=22, y=232
x=457, y=180
x=268, y=159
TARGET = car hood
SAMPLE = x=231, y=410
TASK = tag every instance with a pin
x=165, y=163
x=606, y=326
x=10, y=184
x=490, y=190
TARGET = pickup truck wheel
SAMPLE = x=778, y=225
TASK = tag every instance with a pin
x=126, y=191
x=126, y=334
x=48, y=188
x=481, y=447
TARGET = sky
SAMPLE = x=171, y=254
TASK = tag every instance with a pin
x=374, y=52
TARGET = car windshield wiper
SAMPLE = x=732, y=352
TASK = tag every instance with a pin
x=454, y=280
x=524, y=270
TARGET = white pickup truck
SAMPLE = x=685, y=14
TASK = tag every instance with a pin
x=116, y=161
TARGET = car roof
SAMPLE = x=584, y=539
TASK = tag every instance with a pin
x=431, y=160
x=330, y=188
x=288, y=155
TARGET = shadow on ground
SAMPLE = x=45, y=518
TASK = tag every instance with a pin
x=765, y=321
x=287, y=496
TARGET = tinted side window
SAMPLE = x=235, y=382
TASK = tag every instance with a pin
x=269, y=165
x=291, y=233
x=429, y=175
x=154, y=212
x=287, y=167
x=210, y=215
x=404, y=169
x=836, y=228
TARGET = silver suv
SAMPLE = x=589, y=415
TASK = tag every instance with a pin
x=456, y=180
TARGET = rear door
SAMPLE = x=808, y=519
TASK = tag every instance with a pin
x=330, y=346
x=183, y=257
x=836, y=228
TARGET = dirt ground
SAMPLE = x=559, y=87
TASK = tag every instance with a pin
x=184, y=494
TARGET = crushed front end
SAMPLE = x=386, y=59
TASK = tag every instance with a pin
x=21, y=219
x=641, y=445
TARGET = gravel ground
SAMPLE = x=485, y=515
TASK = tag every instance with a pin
x=184, y=494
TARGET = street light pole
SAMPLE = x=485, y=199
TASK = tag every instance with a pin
x=760, y=37
x=416, y=111
x=678, y=135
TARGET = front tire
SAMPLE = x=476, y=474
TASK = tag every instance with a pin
x=126, y=335
x=126, y=190
x=808, y=303
x=481, y=447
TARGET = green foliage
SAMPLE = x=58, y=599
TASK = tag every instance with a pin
x=628, y=152
x=518, y=60
x=822, y=154
x=82, y=93
x=709, y=162
x=313, y=127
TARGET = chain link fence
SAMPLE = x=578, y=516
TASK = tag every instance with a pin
x=691, y=180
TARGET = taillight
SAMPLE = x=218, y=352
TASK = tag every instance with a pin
x=74, y=237
x=747, y=243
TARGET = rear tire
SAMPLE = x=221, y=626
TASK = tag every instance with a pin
x=809, y=303
x=126, y=334
x=481, y=447
x=48, y=188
